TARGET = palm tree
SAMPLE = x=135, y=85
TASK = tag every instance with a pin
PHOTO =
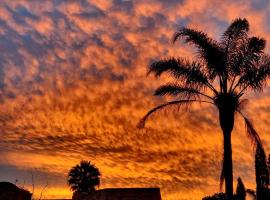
x=223, y=71
x=84, y=178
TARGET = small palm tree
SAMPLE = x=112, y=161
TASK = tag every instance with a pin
x=221, y=74
x=84, y=178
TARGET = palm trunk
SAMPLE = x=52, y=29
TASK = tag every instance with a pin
x=228, y=166
x=226, y=117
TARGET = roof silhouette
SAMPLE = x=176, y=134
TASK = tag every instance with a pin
x=125, y=194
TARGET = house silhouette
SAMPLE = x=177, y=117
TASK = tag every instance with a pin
x=122, y=194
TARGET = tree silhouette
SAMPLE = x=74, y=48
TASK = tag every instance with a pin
x=268, y=166
x=218, y=196
x=84, y=177
x=262, y=174
x=240, y=190
x=220, y=76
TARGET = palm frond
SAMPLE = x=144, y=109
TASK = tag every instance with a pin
x=232, y=41
x=176, y=67
x=175, y=89
x=185, y=71
x=256, y=44
x=209, y=49
x=242, y=104
x=141, y=123
x=260, y=75
x=245, y=58
x=251, y=132
x=255, y=77
x=237, y=28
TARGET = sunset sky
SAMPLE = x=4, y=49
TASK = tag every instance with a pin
x=73, y=86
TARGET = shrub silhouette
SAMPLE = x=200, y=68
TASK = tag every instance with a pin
x=240, y=190
x=220, y=76
x=240, y=193
x=218, y=196
x=84, y=177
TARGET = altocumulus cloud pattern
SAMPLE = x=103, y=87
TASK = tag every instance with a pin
x=73, y=86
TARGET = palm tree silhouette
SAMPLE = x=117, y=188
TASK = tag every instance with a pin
x=221, y=74
x=84, y=178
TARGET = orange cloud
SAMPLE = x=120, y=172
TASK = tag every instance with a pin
x=75, y=88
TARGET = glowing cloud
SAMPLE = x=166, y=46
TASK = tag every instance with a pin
x=73, y=86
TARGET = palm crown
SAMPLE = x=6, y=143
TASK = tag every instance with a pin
x=223, y=71
x=84, y=177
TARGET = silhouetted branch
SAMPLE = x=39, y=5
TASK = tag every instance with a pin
x=33, y=184
x=41, y=193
